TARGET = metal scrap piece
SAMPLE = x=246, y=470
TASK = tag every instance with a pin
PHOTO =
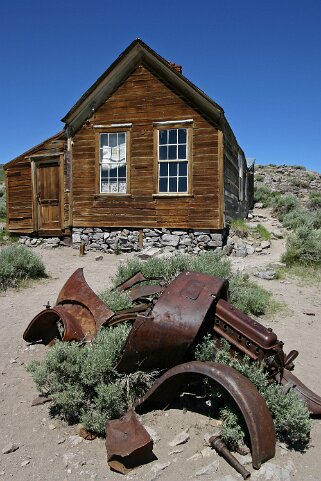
x=136, y=279
x=128, y=443
x=161, y=339
x=78, y=314
x=220, y=447
x=256, y=414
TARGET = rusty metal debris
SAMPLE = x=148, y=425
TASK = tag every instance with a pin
x=167, y=321
x=78, y=314
x=128, y=444
x=217, y=443
x=250, y=402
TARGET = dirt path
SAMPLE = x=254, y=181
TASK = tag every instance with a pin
x=49, y=450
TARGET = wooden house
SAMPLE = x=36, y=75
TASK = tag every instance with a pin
x=143, y=149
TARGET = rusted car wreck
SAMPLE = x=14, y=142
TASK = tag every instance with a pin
x=166, y=322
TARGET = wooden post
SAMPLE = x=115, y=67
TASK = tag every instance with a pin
x=141, y=239
x=82, y=249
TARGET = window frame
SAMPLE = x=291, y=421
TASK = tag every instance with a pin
x=171, y=125
x=112, y=130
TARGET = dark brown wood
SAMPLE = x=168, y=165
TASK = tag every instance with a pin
x=142, y=100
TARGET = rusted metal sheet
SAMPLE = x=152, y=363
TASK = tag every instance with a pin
x=250, y=402
x=135, y=279
x=78, y=315
x=128, y=443
x=77, y=291
x=161, y=340
x=311, y=399
x=141, y=292
x=217, y=443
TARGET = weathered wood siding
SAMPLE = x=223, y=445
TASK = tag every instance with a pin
x=19, y=197
x=236, y=203
x=141, y=100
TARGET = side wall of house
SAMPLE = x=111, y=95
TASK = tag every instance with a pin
x=235, y=178
x=141, y=100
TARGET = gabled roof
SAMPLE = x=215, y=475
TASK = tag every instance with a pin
x=60, y=135
x=138, y=53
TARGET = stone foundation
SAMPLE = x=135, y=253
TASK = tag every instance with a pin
x=127, y=240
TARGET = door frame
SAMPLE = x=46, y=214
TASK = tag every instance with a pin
x=47, y=159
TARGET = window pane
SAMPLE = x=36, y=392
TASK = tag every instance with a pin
x=162, y=185
x=162, y=137
x=112, y=171
x=163, y=169
x=182, y=168
x=173, y=168
x=122, y=171
x=172, y=136
x=121, y=138
x=182, y=152
x=163, y=153
x=103, y=139
x=182, y=184
x=112, y=140
x=122, y=185
x=172, y=184
x=113, y=185
x=172, y=152
x=182, y=136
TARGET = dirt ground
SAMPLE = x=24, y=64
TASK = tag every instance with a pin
x=49, y=450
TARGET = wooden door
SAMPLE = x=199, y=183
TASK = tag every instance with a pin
x=48, y=197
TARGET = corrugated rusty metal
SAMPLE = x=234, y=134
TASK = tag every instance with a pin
x=162, y=339
x=256, y=414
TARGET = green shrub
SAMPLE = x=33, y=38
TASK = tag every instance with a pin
x=297, y=182
x=244, y=294
x=210, y=263
x=259, y=178
x=314, y=200
x=248, y=296
x=290, y=414
x=303, y=247
x=115, y=300
x=263, y=193
x=284, y=204
x=310, y=176
x=298, y=167
x=263, y=232
x=18, y=263
x=83, y=382
x=3, y=206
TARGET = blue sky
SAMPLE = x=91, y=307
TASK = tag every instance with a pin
x=260, y=60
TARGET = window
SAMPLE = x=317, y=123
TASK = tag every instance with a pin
x=112, y=156
x=173, y=161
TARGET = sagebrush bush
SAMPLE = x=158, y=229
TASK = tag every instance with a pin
x=303, y=247
x=244, y=294
x=115, y=300
x=290, y=414
x=284, y=204
x=3, y=205
x=248, y=296
x=314, y=200
x=263, y=193
x=18, y=263
x=83, y=382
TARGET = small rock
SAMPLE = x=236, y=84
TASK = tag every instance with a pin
x=10, y=448
x=25, y=463
x=267, y=275
x=175, y=451
x=250, y=250
x=181, y=438
x=207, y=452
x=258, y=249
x=2, y=473
x=99, y=258
x=258, y=205
x=13, y=360
x=265, y=244
x=42, y=399
x=195, y=457
x=61, y=440
x=157, y=469
x=51, y=427
x=75, y=440
x=209, y=469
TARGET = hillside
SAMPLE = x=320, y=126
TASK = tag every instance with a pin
x=286, y=179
